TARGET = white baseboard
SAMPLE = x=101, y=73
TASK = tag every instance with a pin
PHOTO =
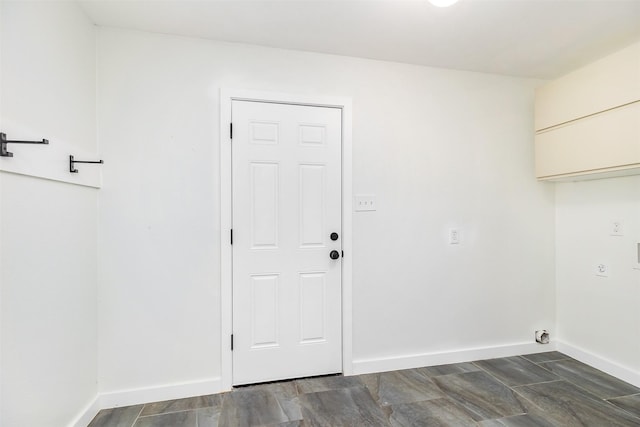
x=159, y=393
x=139, y=396
x=392, y=363
x=87, y=414
x=599, y=362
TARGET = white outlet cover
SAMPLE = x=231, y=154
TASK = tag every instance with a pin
x=602, y=270
x=454, y=236
x=365, y=202
x=616, y=228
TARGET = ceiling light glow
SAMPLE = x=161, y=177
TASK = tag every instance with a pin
x=442, y=3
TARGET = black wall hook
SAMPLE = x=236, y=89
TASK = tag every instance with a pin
x=4, y=142
x=72, y=162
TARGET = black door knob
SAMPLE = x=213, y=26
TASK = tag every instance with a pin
x=334, y=236
x=334, y=255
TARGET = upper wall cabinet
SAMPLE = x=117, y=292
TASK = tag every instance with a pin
x=588, y=122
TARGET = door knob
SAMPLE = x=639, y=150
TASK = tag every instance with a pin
x=334, y=255
x=334, y=236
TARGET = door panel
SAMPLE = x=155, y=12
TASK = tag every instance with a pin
x=312, y=189
x=264, y=310
x=312, y=307
x=286, y=172
x=264, y=205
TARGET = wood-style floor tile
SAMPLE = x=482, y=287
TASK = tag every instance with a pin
x=173, y=419
x=285, y=392
x=208, y=417
x=516, y=370
x=296, y=423
x=549, y=356
x=117, y=417
x=565, y=404
x=280, y=388
x=333, y=382
x=433, y=413
x=453, y=368
x=345, y=407
x=525, y=420
x=404, y=386
x=481, y=395
x=257, y=407
x=630, y=404
x=591, y=379
x=212, y=400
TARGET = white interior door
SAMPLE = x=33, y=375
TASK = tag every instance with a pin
x=286, y=172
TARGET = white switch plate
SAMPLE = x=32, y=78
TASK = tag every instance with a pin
x=616, y=228
x=602, y=270
x=454, y=236
x=365, y=202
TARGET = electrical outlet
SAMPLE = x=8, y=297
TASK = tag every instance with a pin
x=616, y=228
x=542, y=336
x=602, y=270
x=454, y=236
x=365, y=202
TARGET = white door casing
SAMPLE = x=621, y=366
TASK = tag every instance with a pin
x=286, y=174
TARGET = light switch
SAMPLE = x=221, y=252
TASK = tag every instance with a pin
x=365, y=202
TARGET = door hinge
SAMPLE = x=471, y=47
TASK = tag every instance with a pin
x=231, y=236
x=231, y=342
x=230, y=130
x=342, y=254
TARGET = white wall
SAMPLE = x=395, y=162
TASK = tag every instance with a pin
x=599, y=315
x=49, y=232
x=440, y=148
x=1, y=287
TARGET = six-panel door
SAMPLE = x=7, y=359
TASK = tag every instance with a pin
x=286, y=172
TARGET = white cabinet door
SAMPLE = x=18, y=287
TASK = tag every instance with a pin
x=611, y=82
x=609, y=140
x=286, y=172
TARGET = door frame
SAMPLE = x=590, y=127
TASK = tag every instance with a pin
x=226, y=277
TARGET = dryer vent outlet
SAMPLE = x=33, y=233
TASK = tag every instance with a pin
x=542, y=337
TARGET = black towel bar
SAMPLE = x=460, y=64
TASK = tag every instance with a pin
x=72, y=162
x=4, y=142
